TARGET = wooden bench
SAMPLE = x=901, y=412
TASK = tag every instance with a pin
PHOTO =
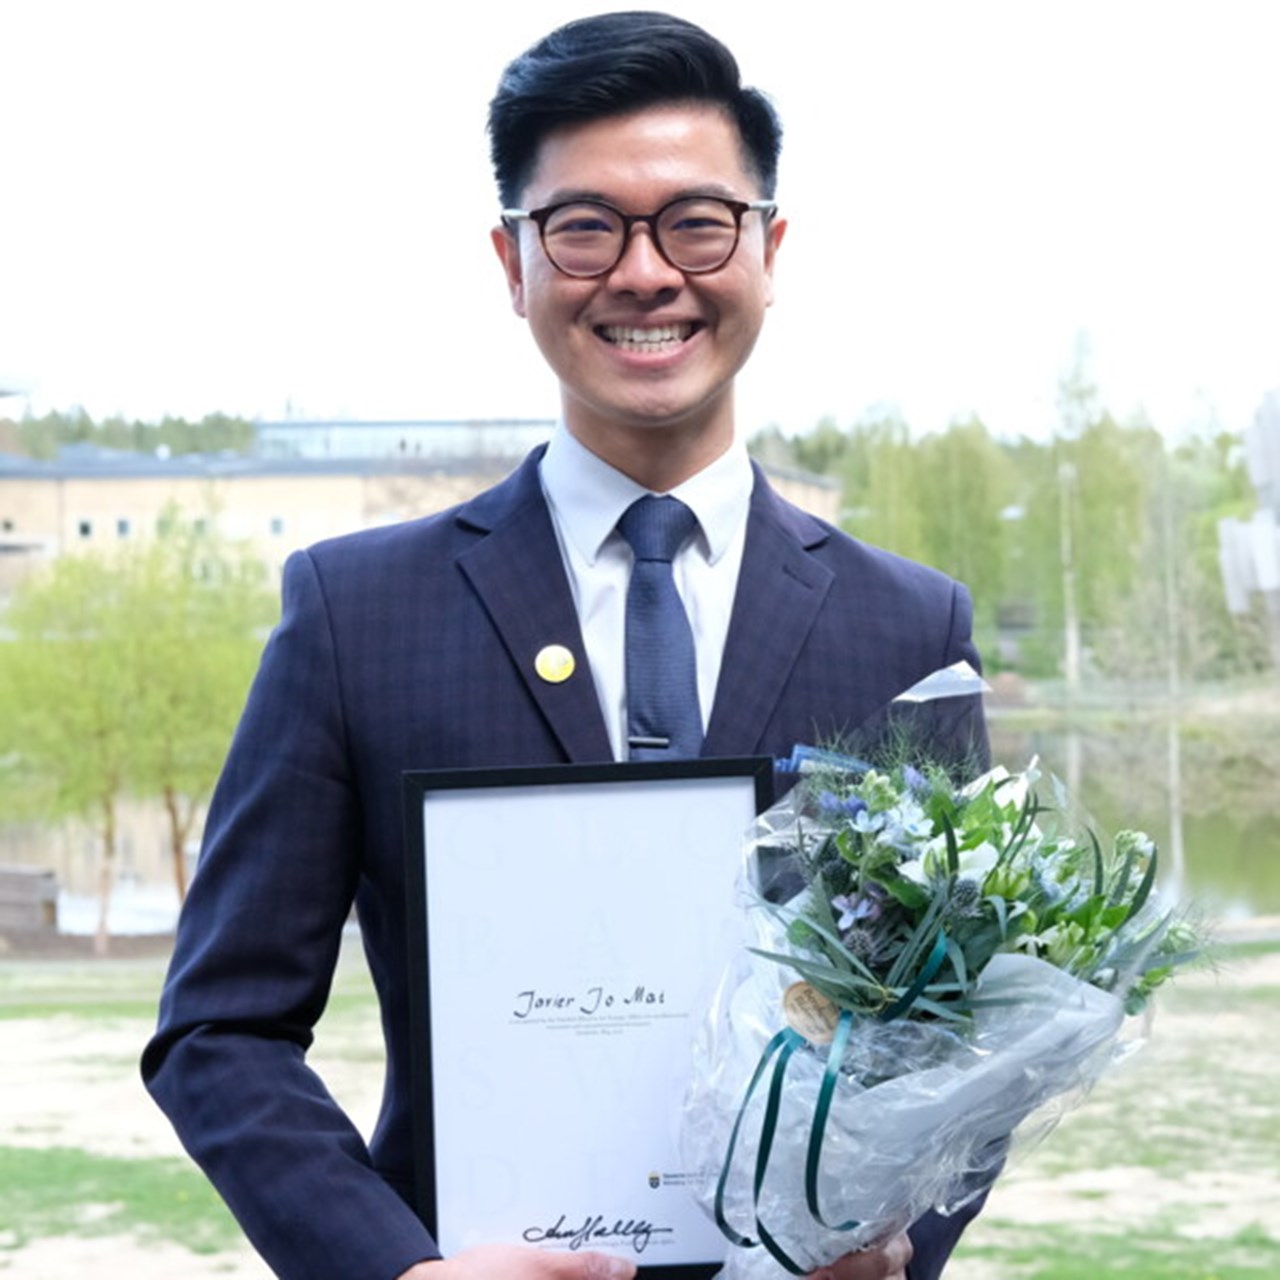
x=28, y=899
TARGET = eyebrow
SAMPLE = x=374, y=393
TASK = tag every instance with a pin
x=571, y=195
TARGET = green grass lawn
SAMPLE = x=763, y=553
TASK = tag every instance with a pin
x=61, y=1191
x=1155, y=1252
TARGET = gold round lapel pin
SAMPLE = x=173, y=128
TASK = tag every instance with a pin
x=554, y=663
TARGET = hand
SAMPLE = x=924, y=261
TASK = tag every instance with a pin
x=888, y=1262
x=511, y=1262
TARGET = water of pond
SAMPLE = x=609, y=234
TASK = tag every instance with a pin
x=1230, y=802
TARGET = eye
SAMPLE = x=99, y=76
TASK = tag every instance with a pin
x=698, y=217
x=573, y=226
x=582, y=220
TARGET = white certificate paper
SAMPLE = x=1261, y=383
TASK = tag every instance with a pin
x=568, y=926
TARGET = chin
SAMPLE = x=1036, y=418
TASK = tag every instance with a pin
x=666, y=411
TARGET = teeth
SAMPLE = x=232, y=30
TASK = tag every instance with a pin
x=646, y=339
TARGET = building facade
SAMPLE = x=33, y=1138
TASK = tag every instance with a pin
x=305, y=482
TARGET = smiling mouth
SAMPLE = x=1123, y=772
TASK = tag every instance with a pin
x=665, y=337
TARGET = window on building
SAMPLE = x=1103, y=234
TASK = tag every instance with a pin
x=6, y=525
x=122, y=527
x=277, y=526
x=85, y=528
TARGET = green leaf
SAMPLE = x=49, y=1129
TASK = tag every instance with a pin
x=830, y=980
x=837, y=953
x=921, y=940
x=913, y=896
x=1099, y=872
x=953, y=852
x=1144, y=889
x=1121, y=882
x=957, y=1011
x=1001, y=908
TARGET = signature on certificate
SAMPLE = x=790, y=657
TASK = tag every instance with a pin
x=592, y=1000
x=595, y=1229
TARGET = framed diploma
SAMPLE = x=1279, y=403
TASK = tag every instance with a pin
x=567, y=926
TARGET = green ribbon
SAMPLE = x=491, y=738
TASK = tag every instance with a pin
x=784, y=1044
x=916, y=989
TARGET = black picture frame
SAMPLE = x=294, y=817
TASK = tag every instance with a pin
x=558, y=785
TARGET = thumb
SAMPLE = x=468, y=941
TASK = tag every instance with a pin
x=602, y=1266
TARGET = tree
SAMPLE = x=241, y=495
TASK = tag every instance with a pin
x=1104, y=533
x=124, y=675
x=965, y=490
x=882, y=487
x=1089, y=504
x=65, y=704
x=822, y=449
x=197, y=614
x=215, y=433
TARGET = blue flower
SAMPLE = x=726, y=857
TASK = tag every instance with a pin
x=848, y=910
x=867, y=907
x=915, y=780
x=835, y=806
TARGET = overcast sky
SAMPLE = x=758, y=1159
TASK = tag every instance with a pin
x=268, y=206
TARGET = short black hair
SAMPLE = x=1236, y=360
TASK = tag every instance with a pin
x=614, y=64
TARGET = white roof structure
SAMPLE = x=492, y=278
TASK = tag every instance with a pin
x=1249, y=550
x=1262, y=451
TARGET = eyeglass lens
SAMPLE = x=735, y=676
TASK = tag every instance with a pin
x=585, y=239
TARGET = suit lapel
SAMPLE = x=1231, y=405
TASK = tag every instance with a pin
x=781, y=588
x=517, y=571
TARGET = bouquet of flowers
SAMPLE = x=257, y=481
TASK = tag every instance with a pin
x=928, y=965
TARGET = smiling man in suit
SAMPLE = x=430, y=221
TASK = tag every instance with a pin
x=638, y=239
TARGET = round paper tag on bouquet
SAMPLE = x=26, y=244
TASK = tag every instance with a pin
x=810, y=1013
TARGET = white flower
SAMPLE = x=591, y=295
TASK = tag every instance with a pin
x=975, y=864
x=904, y=826
x=1011, y=787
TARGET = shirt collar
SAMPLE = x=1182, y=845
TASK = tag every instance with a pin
x=589, y=496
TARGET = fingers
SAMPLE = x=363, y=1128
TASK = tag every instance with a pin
x=601, y=1266
x=887, y=1262
x=514, y=1262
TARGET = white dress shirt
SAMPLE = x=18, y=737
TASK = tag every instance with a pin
x=587, y=497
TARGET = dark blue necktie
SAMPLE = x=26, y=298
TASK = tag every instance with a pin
x=663, y=719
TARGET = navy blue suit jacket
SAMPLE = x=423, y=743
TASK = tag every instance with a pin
x=412, y=647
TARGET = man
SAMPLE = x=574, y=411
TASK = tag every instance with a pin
x=638, y=240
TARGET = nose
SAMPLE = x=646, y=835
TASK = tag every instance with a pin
x=642, y=270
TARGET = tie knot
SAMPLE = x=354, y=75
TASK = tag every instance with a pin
x=656, y=528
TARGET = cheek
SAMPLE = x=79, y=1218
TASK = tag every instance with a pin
x=748, y=303
x=552, y=301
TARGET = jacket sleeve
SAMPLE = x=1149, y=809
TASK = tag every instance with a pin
x=934, y=1236
x=256, y=947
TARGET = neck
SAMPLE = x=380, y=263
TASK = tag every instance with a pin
x=657, y=456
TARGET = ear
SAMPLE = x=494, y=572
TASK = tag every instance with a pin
x=773, y=238
x=506, y=244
